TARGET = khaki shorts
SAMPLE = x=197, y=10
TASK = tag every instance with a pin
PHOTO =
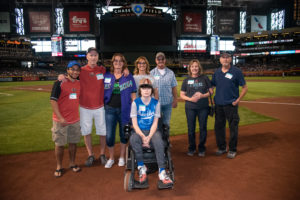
x=62, y=135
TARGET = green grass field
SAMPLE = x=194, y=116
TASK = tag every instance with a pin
x=25, y=117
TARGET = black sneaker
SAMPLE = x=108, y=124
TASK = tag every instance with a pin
x=90, y=160
x=102, y=159
x=221, y=152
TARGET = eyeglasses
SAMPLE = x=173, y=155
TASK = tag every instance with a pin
x=142, y=63
x=160, y=59
x=118, y=61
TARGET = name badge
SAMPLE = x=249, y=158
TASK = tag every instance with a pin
x=107, y=80
x=73, y=96
x=156, y=77
x=142, y=108
x=191, y=81
x=228, y=75
x=99, y=76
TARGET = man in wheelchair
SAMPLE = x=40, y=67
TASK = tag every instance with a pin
x=145, y=113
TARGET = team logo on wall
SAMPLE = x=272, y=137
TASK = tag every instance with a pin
x=192, y=22
x=258, y=23
x=138, y=9
x=226, y=22
x=39, y=21
x=79, y=21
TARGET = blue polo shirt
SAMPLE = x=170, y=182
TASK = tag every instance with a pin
x=227, y=85
x=127, y=86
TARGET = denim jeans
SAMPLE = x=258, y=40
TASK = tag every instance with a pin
x=156, y=142
x=166, y=111
x=191, y=115
x=229, y=113
x=112, y=117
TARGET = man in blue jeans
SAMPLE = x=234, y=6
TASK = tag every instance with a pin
x=227, y=80
x=166, y=82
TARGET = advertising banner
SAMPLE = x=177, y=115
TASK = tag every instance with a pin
x=79, y=21
x=56, y=46
x=258, y=23
x=39, y=21
x=4, y=22
x=192, y=46
x=214, y=45
x=192, y=22
x=226, y=22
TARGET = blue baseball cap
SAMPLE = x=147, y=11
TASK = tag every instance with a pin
x=72, y=63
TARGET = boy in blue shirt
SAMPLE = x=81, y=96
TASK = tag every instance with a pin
x=145, y=112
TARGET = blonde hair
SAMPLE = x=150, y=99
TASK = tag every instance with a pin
x=113, y=59
x=200, y=71
x=136, y=69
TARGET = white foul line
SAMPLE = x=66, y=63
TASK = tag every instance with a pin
x=291, y=104
x=6, y=94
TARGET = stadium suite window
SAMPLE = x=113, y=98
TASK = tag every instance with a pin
x=79, y=45
x=42, y=46
x=226, y=45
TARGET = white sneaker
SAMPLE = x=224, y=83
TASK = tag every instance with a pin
x=121, y=162
x=163, y=176
x=142, y=173
x=109, y=163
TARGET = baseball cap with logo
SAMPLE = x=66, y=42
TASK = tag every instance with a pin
x=72, y=63
x=160, y=55
x=91, y=49
x=146, y=83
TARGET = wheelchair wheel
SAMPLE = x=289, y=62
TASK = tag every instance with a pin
x=171, y=167
x=128, y=181
x=127, y=158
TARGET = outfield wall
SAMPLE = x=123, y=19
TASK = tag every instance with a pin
x=26, y=78
x=248, y=74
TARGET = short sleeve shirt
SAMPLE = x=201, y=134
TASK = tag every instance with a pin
x=165, y=83
x=67, y=94
x=227, y=85
x=92, y=87
x=192, y=85
x=145, y=113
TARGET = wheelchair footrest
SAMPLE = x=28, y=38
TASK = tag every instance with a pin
x=162, y=186
x=138, y=185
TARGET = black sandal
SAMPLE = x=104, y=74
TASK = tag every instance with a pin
x=75, y=168
x=58, y=173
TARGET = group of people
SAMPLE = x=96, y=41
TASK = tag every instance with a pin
x=110, y=97
x=105, y=97
x=196, y=89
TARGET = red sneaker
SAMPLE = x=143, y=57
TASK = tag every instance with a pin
x=142, y=174
x=165, y=178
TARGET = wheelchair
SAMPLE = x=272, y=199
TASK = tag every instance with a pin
x=149, y=160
